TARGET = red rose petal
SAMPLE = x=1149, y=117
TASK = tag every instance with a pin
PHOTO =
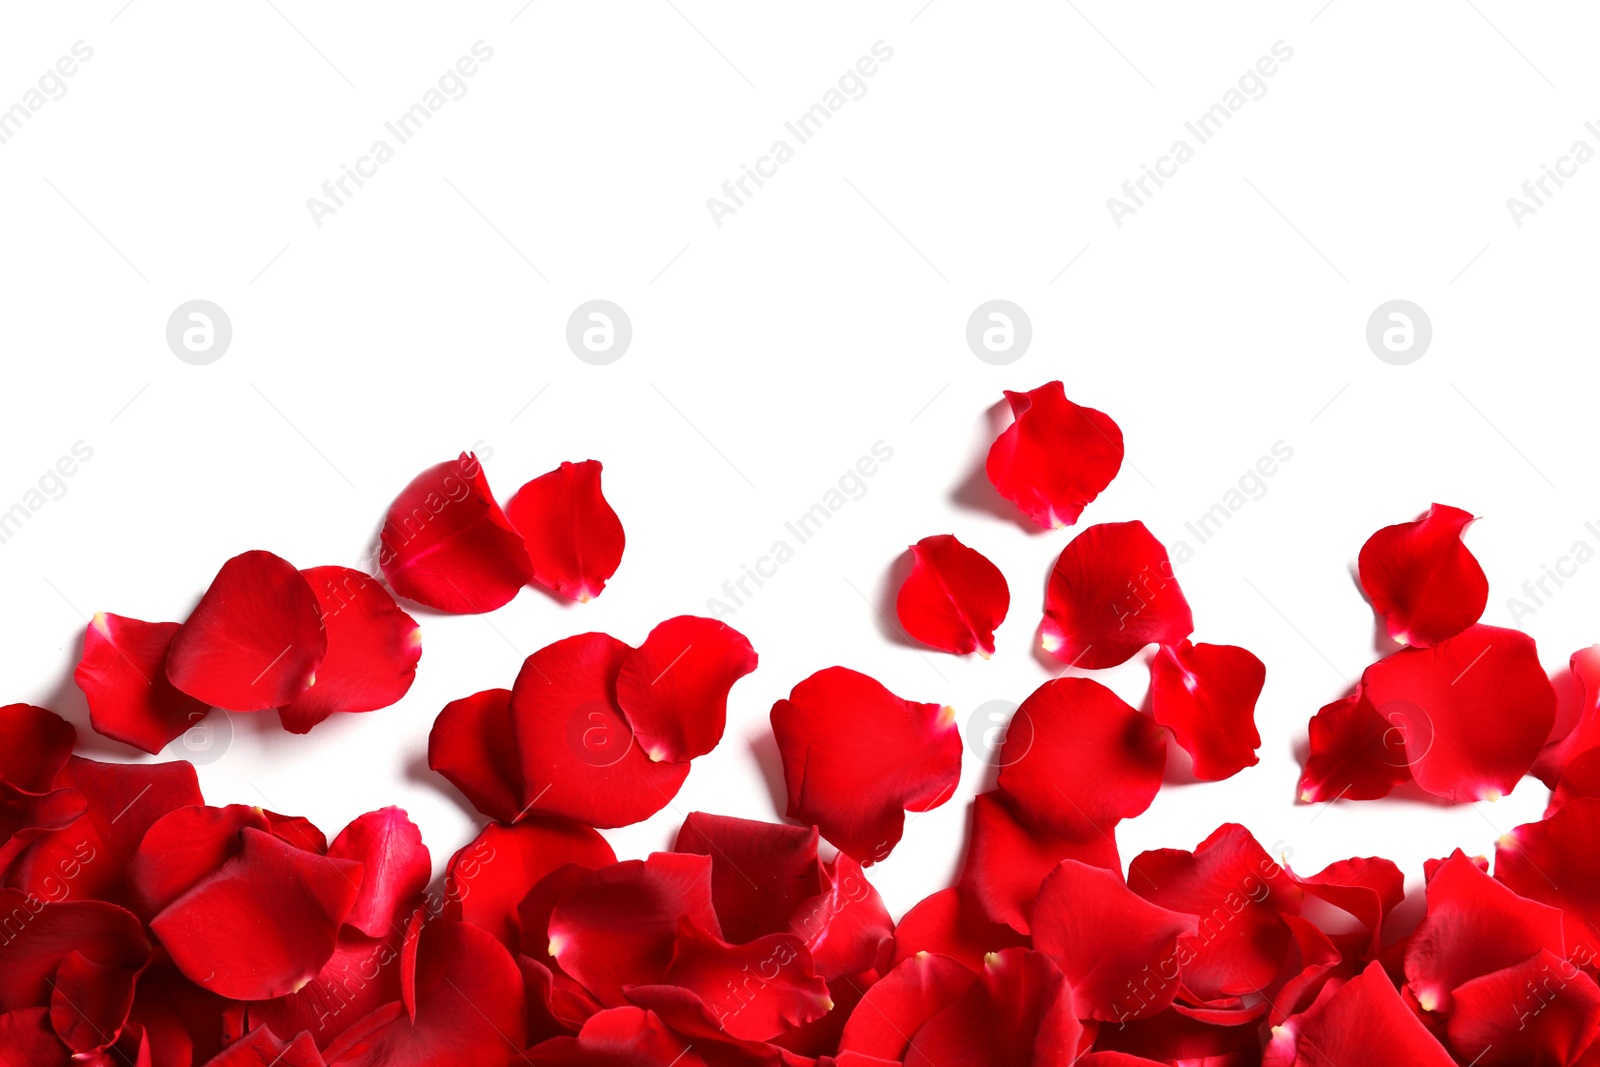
x=856, y=758
x=620, y=1037
x=395, y=868
x=373, y=648
x=1421, y=578
x=363, y=974
x=488, y=878
x=1584, y=734
x=942, y=923
x=1555, y=862
x=1086, y=761
x=89, y=1002
x=183, y=847
x=1206, y=695
x=1364, y=1022
x=573, y=538
x=475, y=747
x=447, y=544
x=1484, y=708
x=1018, y=1011
x=1366, y=888
x=846, y=928
x=123, y=675
x=40, y=936
x=1055, y=457
x=26, y=1040
x=1542, y=1010
x=674, y=687
x=760, y=872
x=261, y=1048
x=619, y=925
x=900, y=1003
x=254, y=641
x=954, y=598
x=1237, y=891
x=1111, y=593
x=264, y=923
x=1108, y=940
x=34, y=745
x=1007, y=859
x=755, y=991
x=1357, y=753
x=26, y=817
x=1474, y=926
x=579, y=756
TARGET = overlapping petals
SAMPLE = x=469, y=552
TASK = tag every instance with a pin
x=1055, y=457
x=954, y=598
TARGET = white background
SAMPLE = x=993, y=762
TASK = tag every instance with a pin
x=427, y=315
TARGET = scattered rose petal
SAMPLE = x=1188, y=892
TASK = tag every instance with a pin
x=954, y=598
x=573, y=538
x=1206, y=695
x=394, y=863
x=1422, y=579
x=1111, y=593
x=1355, y=752
x=760, y=872
x=1055, y=457
x=673, y=689
x=123, y=675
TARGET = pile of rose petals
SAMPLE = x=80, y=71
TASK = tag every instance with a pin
x=141, y=927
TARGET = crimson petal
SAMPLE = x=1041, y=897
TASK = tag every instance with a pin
x=1584, y=735
x=254, y=641
x=1055, y=457
x=574, y=540
x=1364, y=1021
x=25, y=817
x=1355, y=752
x=1019, y=1011
x=40, y=936
x=785, y=992
x=34, y=745
x=900, y=1003
x=446, y=543
x=473, y=745
x=123, y=675
x=1555, y=862
x=1206, y=695
x=183, y=847
x=261, y=1048
x=856, y=758
x=1542, y=1010
x=760, y=872
x=89, y=1002
x=954, y=598
x=373, y=648
x=846, y=928
x=1421, y=578
x=394, y=863
x=1111, y=593
x=490, y=876
x=674, y=687
x=945, y=924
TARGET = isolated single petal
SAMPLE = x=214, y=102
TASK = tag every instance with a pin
x=954, y=598
x=473, y=745
x=856, y=758
x=1112, y=592
x=1206, y=695
x=254, y=641
x=446, y=543
x=1421, y=578
x=123, y=675
x=574, y=540
x=674, y=687
x=1055, y=457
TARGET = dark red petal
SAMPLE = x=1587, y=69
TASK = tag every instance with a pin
x=264, y=923
x=1020, y=1007
x=362, y=975
x=447, y=544
x=573, y=538
x=1175, y=1037
x=1364, y=1022
x=953, y=598
x=760, y=872
x=1007, y=859
x=469, y=999
x=1421, y=578
x=39, y=936
x=124, y=801
x=474, y=746
x=89, y=1002
x=1484, y=708
x=900, y=1003
x=618, y=926
x=1584, y=733
x=1542, y=1010
x=1474, y=926
x=1306, y=968
x=1056, y=456
x=856, y=758
x=579, y=756
x=261, y=1048
x=1108, y=941
x=183, y=1022
x=674, y=687
x=943, y=923
x=1111, y=593
x=394, y=863
x=254, y=641
x=373, y=648
x=1085, y=760
x=1555, y=861
x=26, y=817
x=1237, y=891
x=846, y=928
x=488, y=878
x=34, y=745
x=123, y=675
x=183, y=847
x=785, y=992
x=1115, y=1059
x=26, y=1040
x=620, y=1037
x=1206, y=695
x=1356, y=753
